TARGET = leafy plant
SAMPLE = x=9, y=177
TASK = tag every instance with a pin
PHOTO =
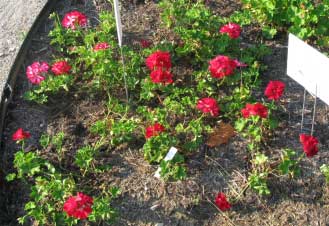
x=325, y=171
x=289, y=164
x=173, y=168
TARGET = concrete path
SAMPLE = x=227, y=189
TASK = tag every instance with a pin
x=16, y=19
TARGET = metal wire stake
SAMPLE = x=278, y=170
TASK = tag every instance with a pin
x=302, y=122
x=314, y=109
x=124, y=75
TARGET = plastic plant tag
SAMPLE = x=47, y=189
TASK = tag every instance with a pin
x=308, y=67
x=170, y=155
x=118, y=21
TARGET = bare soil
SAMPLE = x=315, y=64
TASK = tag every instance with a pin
x=146, y=200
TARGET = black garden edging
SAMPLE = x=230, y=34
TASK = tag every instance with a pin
x=12, y=76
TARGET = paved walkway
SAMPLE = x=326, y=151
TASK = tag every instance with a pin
x=16, y=19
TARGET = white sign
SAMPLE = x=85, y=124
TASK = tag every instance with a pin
x=118, y=21
x=308, y=67
x=170, y=155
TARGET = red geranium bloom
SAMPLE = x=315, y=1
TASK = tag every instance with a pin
x=101, y=46
x=231, y=29
x=78, y=206
x=160, y=76
x=35, y=72
x=309, y=144
x=208, y=105
x=154, y=130
x=60, y=67
x=20, y=134
x=222, y=66
x=74, y=18
x=221, y=202
x=274, y=90
x=254, y=109
x=145, y=43
x=158, y=60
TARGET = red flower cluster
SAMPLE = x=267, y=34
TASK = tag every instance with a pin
x=309, y=144
x=20, y=134
x=35, y=72
x=221, y=202
x=160, y=76
x=60, y=68
x=74, y=18
x=159, y=63
x=78, y=206
x=222, y=66
x=231, y=29
x=208, y=105
x=158, y=60
x=101, y=46
x=145, y=43
x=274, y=90
x=254, y=109
x=154, y=130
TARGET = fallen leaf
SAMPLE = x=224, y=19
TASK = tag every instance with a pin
x=221, y=135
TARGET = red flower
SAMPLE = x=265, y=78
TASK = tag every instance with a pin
x=20, y=134
x=160, y=76
x=154, y=130
x=274, y=90
x=254, y=109
x=101, y=46
x=309, y=144
x=208, y=105
x=74, y=18
x=158, y=60
x=35, y=72
x=231, y=29
x=145, y=43
x=60, y=67
x=221, y=202
x=78, y=206
x=222, y=66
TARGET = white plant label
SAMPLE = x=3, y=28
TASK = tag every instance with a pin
x=170, y=155
x=308, y=67
x=118, y=21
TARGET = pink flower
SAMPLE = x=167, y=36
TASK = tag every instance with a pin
x=78, y=206
x=222, y=66
x=254, y=109
x=160, y=76
x=101, y=46
x=240, y=64
x=158, y=60
x=208, y=105
x=154, y=130
x=274, y=90
x=35, y=72
x=20, y=134
x=60, y=68
x=231, y=29
x=74, y=18
x=145, y=43
x=221, y=202
x=309, y=144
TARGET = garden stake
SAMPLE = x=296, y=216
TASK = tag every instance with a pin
x=302, y=122
x=124, y=74
x=314, y=109
x=119, y=32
